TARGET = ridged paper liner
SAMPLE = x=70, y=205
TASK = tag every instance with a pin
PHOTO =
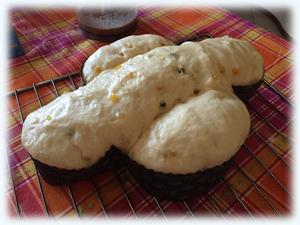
x=175, y=186
x=246, y=92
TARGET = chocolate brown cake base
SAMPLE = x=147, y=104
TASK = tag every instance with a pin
x=176, y=187
x=81, y=73
x=58, y=176
x=246, y=92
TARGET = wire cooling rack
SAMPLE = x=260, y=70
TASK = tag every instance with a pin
x=257, y=183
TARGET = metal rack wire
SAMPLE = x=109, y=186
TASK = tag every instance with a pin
x=238, y=200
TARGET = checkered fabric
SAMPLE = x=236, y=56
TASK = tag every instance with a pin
x=54, y=45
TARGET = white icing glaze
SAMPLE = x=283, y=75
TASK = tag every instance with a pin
x=110, y=56
x=202, y=133
x=75, y=130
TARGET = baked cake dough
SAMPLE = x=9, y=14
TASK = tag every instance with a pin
x=78, y=128
x=169, y=145
x=110, y=56
x=236, y=53
x=237, y=59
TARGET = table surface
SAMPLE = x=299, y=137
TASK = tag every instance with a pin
x=54, y=45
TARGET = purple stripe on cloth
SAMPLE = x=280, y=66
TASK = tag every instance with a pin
x=19, y=157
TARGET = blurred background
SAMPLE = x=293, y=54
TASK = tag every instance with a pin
x=275, y=20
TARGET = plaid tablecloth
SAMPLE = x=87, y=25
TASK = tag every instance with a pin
x=54, y=45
